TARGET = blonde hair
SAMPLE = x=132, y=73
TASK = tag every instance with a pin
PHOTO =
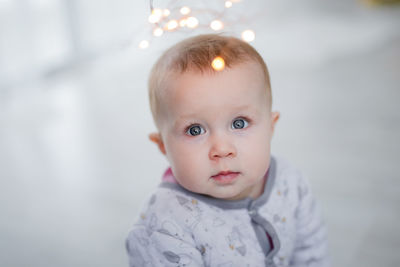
x=196, y=54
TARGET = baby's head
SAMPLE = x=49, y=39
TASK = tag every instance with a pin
x=215, y=126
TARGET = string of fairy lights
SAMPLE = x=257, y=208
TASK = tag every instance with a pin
x=185, y=18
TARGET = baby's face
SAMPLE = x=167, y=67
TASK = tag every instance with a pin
x=216, y=130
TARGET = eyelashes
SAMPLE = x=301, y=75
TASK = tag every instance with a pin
x=196, y=129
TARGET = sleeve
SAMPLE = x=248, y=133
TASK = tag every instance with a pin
x=311, y=241
x=160, y=248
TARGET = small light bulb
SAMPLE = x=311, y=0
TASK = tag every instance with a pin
x=228, y=4
x=192, y=22
x=144, y=44
x=156, y=15
x=172, y=25
x=158, y=32
x=153, y=19
x=157, y=12
x=182, y=22
x=166, y=12
x=216, y=25
x=218, y=64
x=248, y=35
x=185, y=10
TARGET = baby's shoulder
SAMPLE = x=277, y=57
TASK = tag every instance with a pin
x=286, y=172
x=289, y=180
x=164, y=223
x=169, y=208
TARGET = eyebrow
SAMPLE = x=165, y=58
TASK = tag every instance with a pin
x=243, y=108
x=247, y=107
x=183, y=119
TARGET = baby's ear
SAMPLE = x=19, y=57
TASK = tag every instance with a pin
x=274, y=119
x=156, y=138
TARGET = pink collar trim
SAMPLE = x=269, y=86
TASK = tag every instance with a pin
x=169, y=177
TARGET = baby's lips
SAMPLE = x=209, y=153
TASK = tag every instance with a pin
x=225, y=177
x=223, y=173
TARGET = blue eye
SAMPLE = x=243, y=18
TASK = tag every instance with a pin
x=239, y=123
x=195, y=130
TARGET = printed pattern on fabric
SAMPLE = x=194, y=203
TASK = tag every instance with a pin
x=181, y=228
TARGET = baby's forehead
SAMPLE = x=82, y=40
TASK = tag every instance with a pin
x=177, y=82
x=179, y=89
x=172, y=77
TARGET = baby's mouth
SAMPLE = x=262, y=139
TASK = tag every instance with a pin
x=225, y=176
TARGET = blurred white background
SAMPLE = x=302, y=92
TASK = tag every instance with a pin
x=75, y=160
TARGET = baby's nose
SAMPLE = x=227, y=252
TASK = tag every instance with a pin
x=221, y=147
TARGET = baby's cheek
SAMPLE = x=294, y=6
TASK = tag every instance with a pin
x=187, y=164
x=260, y=155
x=258, y=146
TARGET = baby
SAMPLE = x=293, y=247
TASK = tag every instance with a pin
x=225, y=201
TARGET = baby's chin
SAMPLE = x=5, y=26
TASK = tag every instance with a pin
x=226, y=192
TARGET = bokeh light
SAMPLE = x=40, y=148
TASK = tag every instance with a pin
x=218, y=64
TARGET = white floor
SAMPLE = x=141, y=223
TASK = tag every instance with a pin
x=76, y=164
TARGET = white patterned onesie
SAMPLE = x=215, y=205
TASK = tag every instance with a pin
x=282, y=227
